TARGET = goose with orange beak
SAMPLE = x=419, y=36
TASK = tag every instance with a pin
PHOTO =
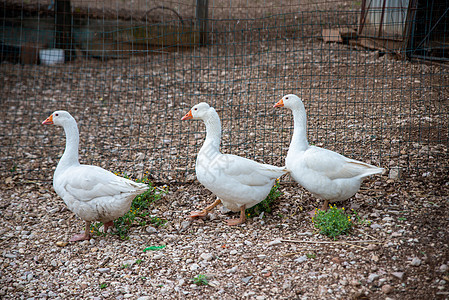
x=238, y=183
x=91, y=192
x=324, y=173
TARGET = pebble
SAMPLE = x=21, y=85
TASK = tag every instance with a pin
x=260, y=298
x=10, y=255
x=158, y=256
x=247, y=279
x=185, y=224
x=194, y=267
x=355, y=282
x=301, y=259
x=415, y=262
x=386, y=289
x=61, y=243
x=233, y=252
x=232, y=270
x=151, y=229
x=206, y=256
x=104, y=270
x=262, y=256
x=214, y=283
x=376, y=226
x=387, y=219
x=398, y=275
x=396, y=234
x=144, y=298
x=275, y=242
x=444, y=268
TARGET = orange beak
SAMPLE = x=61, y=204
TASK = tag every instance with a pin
x=280, y=103
x=188, y=116
x=48, y=121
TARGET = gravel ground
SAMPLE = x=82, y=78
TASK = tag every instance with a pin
x=361, y=103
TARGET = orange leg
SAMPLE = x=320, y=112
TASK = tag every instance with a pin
x=83, y=236
x=204, y=212
x=107, y=225
x=240, y=220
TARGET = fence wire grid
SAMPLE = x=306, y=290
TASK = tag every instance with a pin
x=374, y=80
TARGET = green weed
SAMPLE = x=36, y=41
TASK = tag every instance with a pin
x=265, y=205
x=333, y=222
x=103, y=285
x=200, y=279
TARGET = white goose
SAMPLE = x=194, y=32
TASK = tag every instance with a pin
x=238, y=183
x=91, y=192
x=326, y=174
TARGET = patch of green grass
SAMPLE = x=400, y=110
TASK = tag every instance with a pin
x=103, y=285
x=333, y=222
x=311, y=255
x=200, y=279
x=138, y=261
x=139, y=213
x=265, y=205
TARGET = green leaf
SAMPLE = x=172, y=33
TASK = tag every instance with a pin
x=153, y=248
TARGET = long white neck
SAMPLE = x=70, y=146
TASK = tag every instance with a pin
x=70, y=156
x=299, y=139
x=213, y=133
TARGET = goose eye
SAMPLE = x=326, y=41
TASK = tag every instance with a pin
x=56, y=115
x=195, y=108
x=286, y=98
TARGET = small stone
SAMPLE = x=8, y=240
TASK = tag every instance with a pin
x=395, y=173
x=247, y=279
x=396, y=234
x=61, y=243
x=185, y=224
x=262, y=256
x=415, y=262
x=260, y=298
x=10, y=255
x=212, y=216
x=372, y=277
x=444, y=268
x=387, y=219
x=84, y=285
x=206, y=256
x=355, y=282
x=52, y=294
x=224, y=210
x=151, y=229
x=386, y=289
x=376, y=226
x=194, y=267
x=158, y=256
x=372, y=247
x=301, y=259
x=233, y=252
x=104, y=270
x=398, y=275
x=214, y=283
x=144, y=298
x=275, y=242
x=232, y=270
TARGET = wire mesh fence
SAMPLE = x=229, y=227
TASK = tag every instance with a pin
x=130, y=71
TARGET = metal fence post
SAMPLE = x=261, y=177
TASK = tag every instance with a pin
x=201, y=18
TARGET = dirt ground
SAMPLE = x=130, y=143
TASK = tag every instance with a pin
x=363, y=104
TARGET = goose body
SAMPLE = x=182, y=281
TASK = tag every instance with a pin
x=238, y=182
x=326, y=174
x=91, y=192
